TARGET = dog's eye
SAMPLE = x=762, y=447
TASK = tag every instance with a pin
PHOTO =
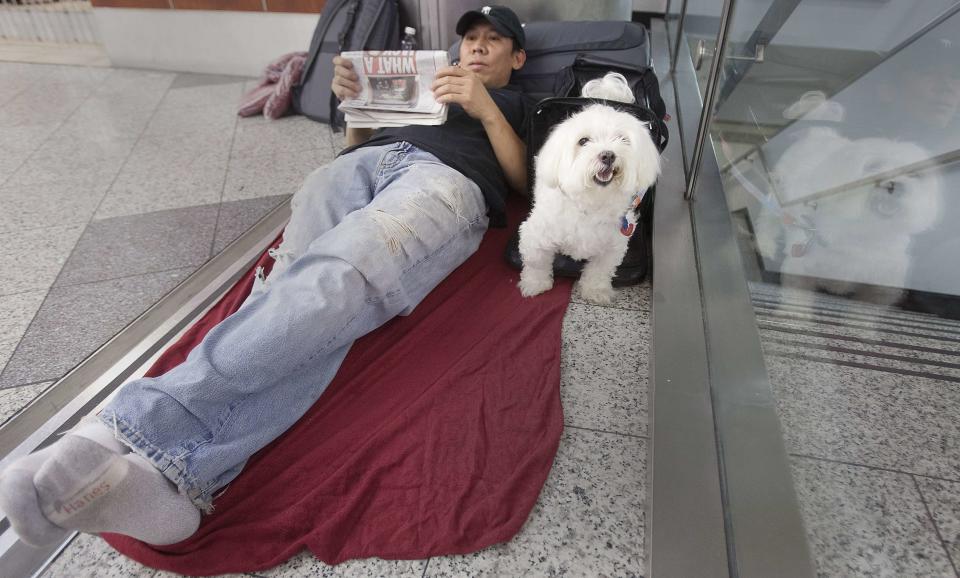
x=624, y=139
x=583, y=141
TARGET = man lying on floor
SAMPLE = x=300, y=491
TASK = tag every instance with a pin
x=370, y=235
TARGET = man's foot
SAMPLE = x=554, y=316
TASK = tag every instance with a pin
x=88, y=481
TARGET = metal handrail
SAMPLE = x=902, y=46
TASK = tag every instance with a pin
x=880, y=179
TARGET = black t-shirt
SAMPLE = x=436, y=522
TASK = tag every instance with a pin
x=461, y=143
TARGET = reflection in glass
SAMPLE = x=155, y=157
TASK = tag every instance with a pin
x=850, y=195
x=840, y=163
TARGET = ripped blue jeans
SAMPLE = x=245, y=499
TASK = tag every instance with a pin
x=370, y=235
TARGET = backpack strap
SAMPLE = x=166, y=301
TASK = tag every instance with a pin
x=352, y=9
x=326, y=19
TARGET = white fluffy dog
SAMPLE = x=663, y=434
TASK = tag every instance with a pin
x=588, y=174
x=858, y=236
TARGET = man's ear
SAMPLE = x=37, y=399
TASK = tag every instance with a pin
x=519, y=58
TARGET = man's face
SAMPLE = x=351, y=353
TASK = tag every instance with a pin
x=489, y=54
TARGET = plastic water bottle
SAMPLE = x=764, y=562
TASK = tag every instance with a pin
x=409, y=41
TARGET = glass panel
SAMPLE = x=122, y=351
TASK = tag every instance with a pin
x=840, y=158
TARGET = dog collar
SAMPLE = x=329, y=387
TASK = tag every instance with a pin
x=628, y=221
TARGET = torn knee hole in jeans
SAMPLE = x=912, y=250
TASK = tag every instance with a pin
x=394, y=229
x=447, y=191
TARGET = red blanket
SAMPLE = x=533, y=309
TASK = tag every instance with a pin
x=434, y=438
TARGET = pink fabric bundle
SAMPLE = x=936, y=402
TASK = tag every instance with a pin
x=273, y=94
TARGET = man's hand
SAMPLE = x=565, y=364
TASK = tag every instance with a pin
x=344, y=83
x=455, y=84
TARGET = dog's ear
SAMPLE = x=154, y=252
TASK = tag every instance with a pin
x=553, y=156
x=647, y=168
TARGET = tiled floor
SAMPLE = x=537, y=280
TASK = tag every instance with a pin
x=870, y=408
x=117, y=184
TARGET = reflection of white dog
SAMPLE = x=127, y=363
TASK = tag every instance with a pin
x=588, y=174
x=856, y=236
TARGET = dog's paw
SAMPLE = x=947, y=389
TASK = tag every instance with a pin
x=534, y=283
x=599, y=294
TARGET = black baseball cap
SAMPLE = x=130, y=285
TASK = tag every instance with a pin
x=503, y=20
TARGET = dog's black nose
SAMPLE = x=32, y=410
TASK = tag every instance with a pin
x=607, y=157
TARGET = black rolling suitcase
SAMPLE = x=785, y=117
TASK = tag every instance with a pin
x=584, y=53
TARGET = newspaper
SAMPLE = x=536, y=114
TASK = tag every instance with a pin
x=395, y=88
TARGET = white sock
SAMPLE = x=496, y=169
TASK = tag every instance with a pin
x=93, y=429
x=84, y=482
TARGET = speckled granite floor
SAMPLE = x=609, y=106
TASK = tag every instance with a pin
x=117, y=184
x=869, y=402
